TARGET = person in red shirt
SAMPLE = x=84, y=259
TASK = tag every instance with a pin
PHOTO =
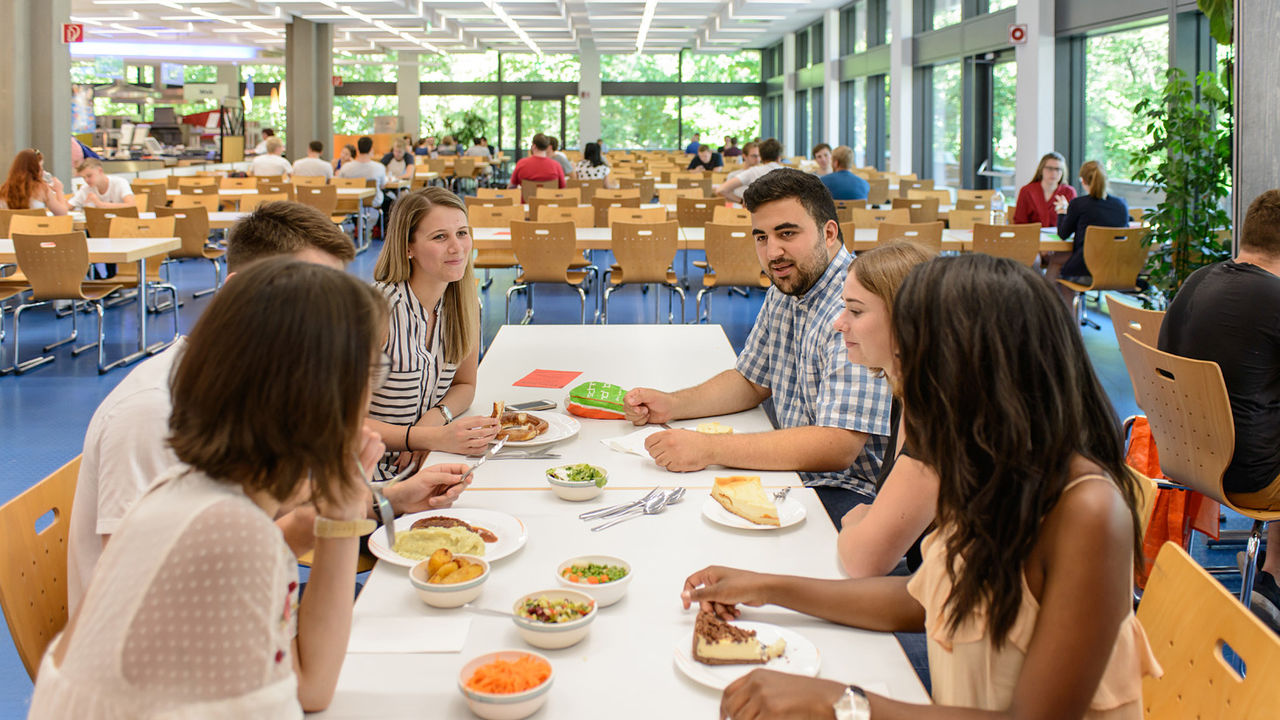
x=539, y=165
x=1036, y=199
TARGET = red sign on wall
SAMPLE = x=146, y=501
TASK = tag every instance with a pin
x=72, y=32
x=337, y=81
x=1018, y=34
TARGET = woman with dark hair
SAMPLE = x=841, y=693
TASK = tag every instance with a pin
x=592, y=166
x=27, y=187
x=193, y=610
x=345, y=155
x=1026, y=587
x=1036, y=199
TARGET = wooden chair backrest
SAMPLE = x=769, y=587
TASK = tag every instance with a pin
x=983, y=196
x=555, y=193
x=202, y=190
x=1115, y=256
x=142, y=201
x=97, y=221
x=1143, y=325
x=308, y=180
x=616, y=193
x=136, y=183
x=545, y=250
x=491, y=193
x=192, y=226
x=274, y=188
x=725, y=215
x=55, y=264
x=971, y=204
x=439, y=166
x=696, y=212
x=906, y=185
x=601, y=206
x=321, y=197
x=529, y=188
x=249, y=203
x=497, y=216
x=157, y=195
x=208, y=202
x=878, y=194
x=943, y=196
x=1136, y=213
x=1017, y=242
x=234, y=183
x=731, y=253
x=967, y=219
x=536, y=203
x=702, y=183
x=671, y=196
x=129, y=227
x=928, y=235
x=645, y=251
x=479, y=201
x=347, y=182
x=45, y=224
x=636, y=215
x=1189, y=618
x=466, y=166
x=580, y=215
x=644, y=185
x=872, y=217
x=33, y=566
x=848, y=205
x=184, y=183
x=849, y=236
x=6, y=215
x=269, y=178
x=586, y=188
x=921, y=210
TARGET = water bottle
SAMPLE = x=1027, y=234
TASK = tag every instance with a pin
x=997, y=208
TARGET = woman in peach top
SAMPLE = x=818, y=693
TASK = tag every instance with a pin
x=1025, y=590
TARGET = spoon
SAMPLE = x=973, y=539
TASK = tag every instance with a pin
x=652, y=506
x=676, y=496
x=618, y=509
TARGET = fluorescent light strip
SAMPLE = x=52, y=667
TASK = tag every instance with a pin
x=163, y=51
x=650, y=6
x=519, y=32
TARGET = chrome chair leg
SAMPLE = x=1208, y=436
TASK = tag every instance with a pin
x=75, y=351
x=678, y=291
x=582, y=298
x=1250, y=563
x=75, y=330
x=697, y=306
x=487, y=280
x=506, y=312
x=604, y=318
x=20, y=367
x=217, y=280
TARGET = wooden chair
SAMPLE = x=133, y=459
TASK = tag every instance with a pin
x=465, y=168
x=249, y=203
x=1017, y=242
x=347, y=182
x=636, y=215
x=193, y=183
x=1143, y=325
x=671, y=196
x=1187, y=405
x=844, y=209
x=601, y=206
x=546, y=253
x=700, y=183
x=618, y=193
x=14, y=277
x=580, y=215
x=849, y=236
x=970, y=204
x=157, y=194
x=645, y=252
x=499, y=216
x=536, y=203
x=1114, y=257
x=308, y=181
x=321, y=197
x=943, y=196
x=967, y=219
x=1136, y=214
x=277, y=187
x=479, y=200
x=529, y=188
x=273, y=179
x=55, y=266
x=731, y=262
x=192, y=226
x=586, y=188
x=234, y=183
x=492, y=193
x=983, y=196
x=643, y=184
x=725, y=215
x=97, y=221
x=43, y=224
x=878, y=194
x=921, y=210
x=696, y=212
x=208, y=202
x=907, y=184
x=928, y=235
x=872, y=217
x=573, y=194
x=127, y=275
x=33, y=566
x=142, y=202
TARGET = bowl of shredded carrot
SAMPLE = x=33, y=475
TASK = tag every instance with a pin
x=506, y=685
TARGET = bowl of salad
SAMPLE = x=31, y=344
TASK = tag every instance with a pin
x=554, y=619
x=603, y=577
x=577, y=482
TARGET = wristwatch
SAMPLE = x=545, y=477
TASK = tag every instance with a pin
x=326, y=528
x=853, y=705
x=444, y=410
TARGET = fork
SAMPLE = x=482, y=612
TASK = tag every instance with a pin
x=617, y=509
x=781, y=495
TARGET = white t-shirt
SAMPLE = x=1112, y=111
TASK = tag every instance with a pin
x=313, y=167
x=752, y=174
x=117, y=190
x=124, y=453
x=260, y=148
x=367, y=169
x=270, y=165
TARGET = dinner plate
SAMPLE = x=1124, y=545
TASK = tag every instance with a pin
x=790, y=512
x=511, y=533
x=800, y=658
x=559, y=427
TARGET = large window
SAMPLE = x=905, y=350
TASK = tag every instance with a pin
x=639, y=68
x=741, y=66
x=1121, y=69
x=947, y=127
x=802, y=126
x=856, y=123
x=945, y=12
x=1004, y=97
x=998, y=5
x=714, y=116
x=462, y=116
x=354, y=114
x=639, y=121
x=468, y=67
x=853, y=28
x=545, y=68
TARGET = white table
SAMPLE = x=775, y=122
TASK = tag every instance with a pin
x=217, y=220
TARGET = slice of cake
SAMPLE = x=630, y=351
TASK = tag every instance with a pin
x=714, y=428
x=744, y=497
x=716, y=642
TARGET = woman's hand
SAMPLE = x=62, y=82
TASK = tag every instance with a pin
x=770, y=694
x=1059, y=204
x=468, y=435
x=411, y=457
x=719, y=589
x=351, y=499
x=430, y=488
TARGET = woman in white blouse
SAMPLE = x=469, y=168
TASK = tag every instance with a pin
x=193, y=610
x=593, y=167
x=433, y=340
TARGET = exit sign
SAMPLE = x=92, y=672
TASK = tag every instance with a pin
x=72, y=32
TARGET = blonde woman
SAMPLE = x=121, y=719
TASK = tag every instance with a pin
x=434, y=334
x=1096, y=207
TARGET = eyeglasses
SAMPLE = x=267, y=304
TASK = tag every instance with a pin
x=1053, y=168
x=381, y=371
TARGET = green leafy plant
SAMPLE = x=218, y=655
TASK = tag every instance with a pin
x=1188, y=158
x=1221, y=14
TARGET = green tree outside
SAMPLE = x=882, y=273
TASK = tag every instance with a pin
x=1121, y=70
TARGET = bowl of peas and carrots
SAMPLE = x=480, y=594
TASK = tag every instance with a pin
x=603, y=577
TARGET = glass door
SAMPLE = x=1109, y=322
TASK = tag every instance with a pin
x=538, y=115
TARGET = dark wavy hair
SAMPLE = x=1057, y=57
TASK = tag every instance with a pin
x=785, y=183
x=998, y=396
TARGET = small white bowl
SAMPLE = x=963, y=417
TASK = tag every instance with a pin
x=499, y=706
x=553, y=636
x=575, y=491
x=606, y=594
x=448, y=596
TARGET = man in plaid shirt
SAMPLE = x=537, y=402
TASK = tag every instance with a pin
x=833, y=414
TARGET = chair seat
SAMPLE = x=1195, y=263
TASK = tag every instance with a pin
x=616, y=277
x=572, y=277
x=92, y=290
x=495, y=259
x=710, y=280
x=579, y=264
x=9, y=289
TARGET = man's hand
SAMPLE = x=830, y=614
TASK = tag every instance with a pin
x=680, y=450
x=429, y=489
x=645, y=406
x=92, y=198
x=772, y=695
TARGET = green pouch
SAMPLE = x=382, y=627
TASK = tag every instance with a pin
x=597, y=400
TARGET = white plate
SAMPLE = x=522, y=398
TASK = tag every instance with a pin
x=559, y=427
x=800, y=658
x=511, y=533
x=790, y=512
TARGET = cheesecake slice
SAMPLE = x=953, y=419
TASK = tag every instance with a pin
x=716, y=642
x=744, y=497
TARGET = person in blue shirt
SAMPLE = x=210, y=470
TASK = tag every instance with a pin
x=1097, y=206
x=843, y=184
x=692, y=147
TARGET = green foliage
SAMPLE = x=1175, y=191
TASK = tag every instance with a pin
x=947, y=127
x=636, y=121
x=459, y=67
x=1221, y=14
x=1188, y=157
x=541, y=68
x=462, y=116
x=639, y=68
x=1004, y=104
x=1122, y=70
x=200, y=73
x=715, y=116
x=721, y=67
x=354, y=114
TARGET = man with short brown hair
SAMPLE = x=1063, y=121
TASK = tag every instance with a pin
x=539, y=166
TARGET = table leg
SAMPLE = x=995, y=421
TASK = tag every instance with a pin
x=142, y=320
x=360, y=230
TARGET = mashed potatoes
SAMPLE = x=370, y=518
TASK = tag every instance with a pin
x=419, y=544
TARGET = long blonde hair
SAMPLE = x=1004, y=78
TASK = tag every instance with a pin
x=1094, y=179
x=461, y=302
x=884, y=268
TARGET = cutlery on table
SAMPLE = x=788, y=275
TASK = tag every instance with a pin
x=527, y=455
x=380, y=501
x=615, y=509
x=492, y=451
x=781, y=495
x=652, y=506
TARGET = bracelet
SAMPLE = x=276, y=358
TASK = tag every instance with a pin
x=326, y=528
x=444, y=410
x=407, y=428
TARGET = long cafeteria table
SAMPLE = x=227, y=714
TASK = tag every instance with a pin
x=120, y=250
x=626, y=661
x=217, y=220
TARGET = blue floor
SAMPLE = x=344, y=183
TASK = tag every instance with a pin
x=44, y=414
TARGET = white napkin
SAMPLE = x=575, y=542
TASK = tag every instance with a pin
x=633, y=442
x=408, y=634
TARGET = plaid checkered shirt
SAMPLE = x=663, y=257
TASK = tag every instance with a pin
x=795, y=352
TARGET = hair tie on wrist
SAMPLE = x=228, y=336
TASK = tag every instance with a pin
x=406, y=437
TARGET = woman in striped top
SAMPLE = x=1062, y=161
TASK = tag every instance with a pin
x=434, y=337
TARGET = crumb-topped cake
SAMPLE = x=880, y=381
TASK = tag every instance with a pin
x=716, y=642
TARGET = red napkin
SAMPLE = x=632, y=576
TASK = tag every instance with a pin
x=547, y=378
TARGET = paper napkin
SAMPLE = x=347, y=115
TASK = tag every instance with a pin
x=547, y=378
x=633, y=442
x=408, y=634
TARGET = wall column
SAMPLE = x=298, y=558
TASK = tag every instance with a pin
x=308, y=71
x=35, y=104
x=589, y=84
x=830, y=78
x=788, y=135
x=902, y=60
x=1034, y=124
x=407, y=92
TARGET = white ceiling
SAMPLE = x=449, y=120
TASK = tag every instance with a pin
x=450, y=26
